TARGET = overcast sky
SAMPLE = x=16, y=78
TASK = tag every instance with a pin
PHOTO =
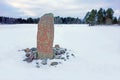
x=63, y=8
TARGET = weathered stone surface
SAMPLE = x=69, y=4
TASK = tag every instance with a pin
x=45, y=36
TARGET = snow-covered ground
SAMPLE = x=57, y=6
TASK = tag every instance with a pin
x=97, y=51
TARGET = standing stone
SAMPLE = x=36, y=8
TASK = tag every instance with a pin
x=45, y=36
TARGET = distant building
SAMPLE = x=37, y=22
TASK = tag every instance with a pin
x=108, y=21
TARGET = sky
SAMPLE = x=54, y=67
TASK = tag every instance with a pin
x=63, y=8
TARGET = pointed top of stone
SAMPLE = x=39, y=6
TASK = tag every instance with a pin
x=48, y=14
x=48, y=17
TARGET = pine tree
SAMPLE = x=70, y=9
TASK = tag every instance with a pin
x=109, y=13
x=119, y=20
x=86, y=18
x=29, y=20
x=92, y=17
x=115, y=20
x=0, y=19
x=100, y=16
x=57, y=20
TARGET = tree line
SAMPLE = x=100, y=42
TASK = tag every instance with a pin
x=101, y=16
x=93, y=17
x=8, y=20
x=57, y=20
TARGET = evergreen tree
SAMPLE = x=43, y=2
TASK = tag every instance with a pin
x=109, y=13
x=0, y=19
x=104, y=16
x=57, y=20
x=19, y=20
x=30, y=20
x=36, y=20
x=100, y=16
x=78, y=21
x=115, y=20
x=119, y=20
x=92, y=17
x=86, y=18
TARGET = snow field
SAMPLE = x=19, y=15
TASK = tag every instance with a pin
x=97, y=51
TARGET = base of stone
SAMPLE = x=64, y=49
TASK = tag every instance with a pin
x=52, y=59
x=58, y=53
x=45, y=55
